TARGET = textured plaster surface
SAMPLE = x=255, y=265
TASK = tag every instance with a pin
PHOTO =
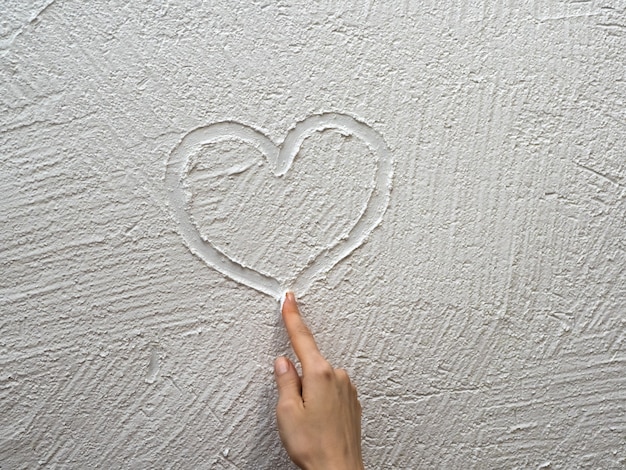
x=483, y=320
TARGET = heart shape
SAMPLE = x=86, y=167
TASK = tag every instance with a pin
x=280, y=158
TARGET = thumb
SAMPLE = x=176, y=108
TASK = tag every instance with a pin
x=287, y=380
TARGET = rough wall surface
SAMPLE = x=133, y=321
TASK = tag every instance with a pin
x=483, y=320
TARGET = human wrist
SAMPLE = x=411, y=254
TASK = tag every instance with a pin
x=354, y=464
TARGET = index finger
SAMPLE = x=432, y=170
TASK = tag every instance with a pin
x=301, y=337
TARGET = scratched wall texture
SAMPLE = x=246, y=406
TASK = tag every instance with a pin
x=483, y=321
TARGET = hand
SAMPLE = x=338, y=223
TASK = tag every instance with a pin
x=319, y=414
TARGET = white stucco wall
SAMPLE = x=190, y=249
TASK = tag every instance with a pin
x=483, y=320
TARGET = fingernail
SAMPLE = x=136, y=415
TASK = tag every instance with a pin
x=281, y=366
x=290, y=296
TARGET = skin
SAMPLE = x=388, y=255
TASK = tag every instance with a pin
x=318, y=413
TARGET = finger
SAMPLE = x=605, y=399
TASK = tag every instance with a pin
x=301, y=337
x=287, y=381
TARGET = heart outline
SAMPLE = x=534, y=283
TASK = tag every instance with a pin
x=280, y=157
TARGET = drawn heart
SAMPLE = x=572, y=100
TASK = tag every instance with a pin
x=280, y=157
